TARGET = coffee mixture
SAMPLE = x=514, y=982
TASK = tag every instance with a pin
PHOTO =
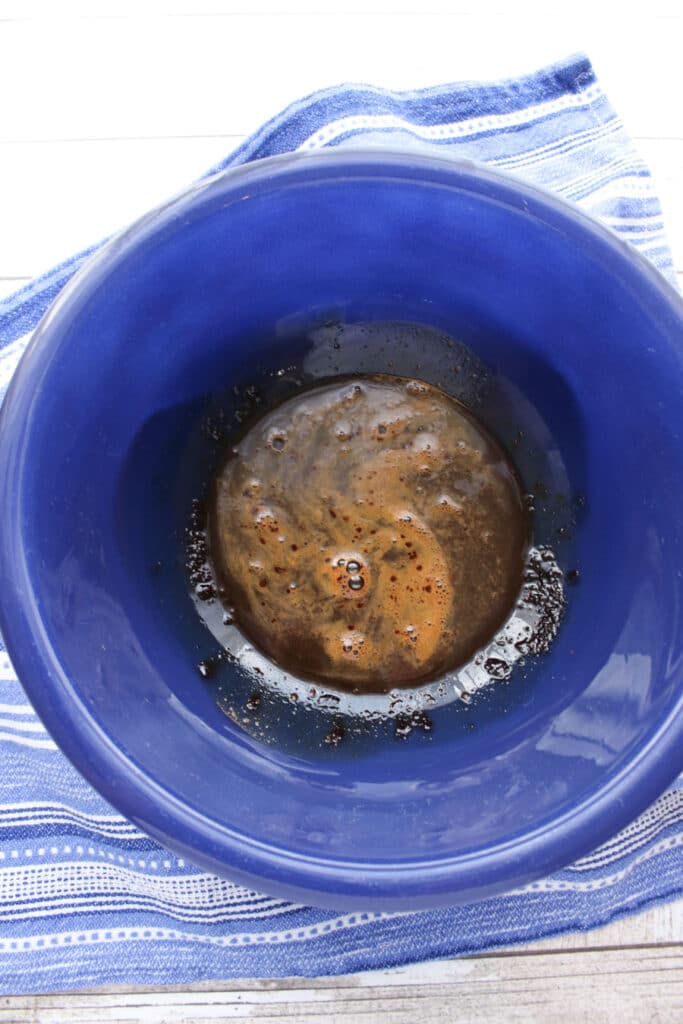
x=369, y=533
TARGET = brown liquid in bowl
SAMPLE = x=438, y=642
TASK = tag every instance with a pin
x=369, y=533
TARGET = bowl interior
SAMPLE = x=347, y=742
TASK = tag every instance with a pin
x=237, y=280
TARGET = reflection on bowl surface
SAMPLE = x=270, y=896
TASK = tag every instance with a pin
x=243, y=277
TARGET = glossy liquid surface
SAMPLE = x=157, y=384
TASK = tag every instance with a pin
x=369, y=533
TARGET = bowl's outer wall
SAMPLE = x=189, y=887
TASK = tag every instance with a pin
x=194, y=296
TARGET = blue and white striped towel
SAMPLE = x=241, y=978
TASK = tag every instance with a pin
x=85, y=898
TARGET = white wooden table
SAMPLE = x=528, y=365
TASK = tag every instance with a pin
x=106, y=109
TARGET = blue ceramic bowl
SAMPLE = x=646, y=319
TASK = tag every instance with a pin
x=230, y=279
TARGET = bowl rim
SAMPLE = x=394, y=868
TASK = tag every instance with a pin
x=400, y=885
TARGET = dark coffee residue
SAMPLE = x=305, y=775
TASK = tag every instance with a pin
x=542, y=591
x=405, y=724
x=197, y=564
x=208, y=667
x=541, y=594
x=336, y=734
